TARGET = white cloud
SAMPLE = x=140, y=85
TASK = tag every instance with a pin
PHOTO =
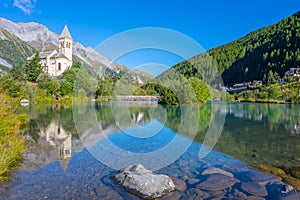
x=27, y=6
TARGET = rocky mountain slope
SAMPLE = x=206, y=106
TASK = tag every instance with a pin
x=36, y=37
x=12, y=49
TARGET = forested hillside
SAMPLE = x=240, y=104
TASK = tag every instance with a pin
x=276, y=48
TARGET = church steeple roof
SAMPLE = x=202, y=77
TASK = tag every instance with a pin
x=64, y=164
x=65, y=33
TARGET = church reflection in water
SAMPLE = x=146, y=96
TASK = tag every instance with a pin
x=61, y=140
x=48, y=138
x=53, y=144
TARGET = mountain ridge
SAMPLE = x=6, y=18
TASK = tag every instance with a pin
x=40, y=38
x=271, y=48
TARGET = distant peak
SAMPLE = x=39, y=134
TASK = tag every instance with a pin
x=65, y=33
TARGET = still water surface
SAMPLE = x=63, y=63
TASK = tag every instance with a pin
x=74, y=150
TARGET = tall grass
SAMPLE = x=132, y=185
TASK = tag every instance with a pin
x=12, y=144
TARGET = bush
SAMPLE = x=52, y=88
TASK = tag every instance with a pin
x=273, y=91
x=45, y=82
x=201, y=90
x=12, y=87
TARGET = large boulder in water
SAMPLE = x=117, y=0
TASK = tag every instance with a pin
x=144, y=183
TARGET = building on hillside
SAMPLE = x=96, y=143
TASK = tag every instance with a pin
x=295, y=72
x=55, y=63
x=256, y=83
x=239, y=87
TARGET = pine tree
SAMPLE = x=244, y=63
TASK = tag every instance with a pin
x=33, y=68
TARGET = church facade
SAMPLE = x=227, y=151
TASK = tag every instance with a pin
x=56, y=62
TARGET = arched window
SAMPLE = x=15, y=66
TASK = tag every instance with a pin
x=59, y=66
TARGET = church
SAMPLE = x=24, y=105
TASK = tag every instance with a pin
x=55, y=63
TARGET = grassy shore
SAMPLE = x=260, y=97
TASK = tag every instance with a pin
x=263, y=101
x=12, y=144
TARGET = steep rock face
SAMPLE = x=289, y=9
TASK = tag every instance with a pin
x=144, y=183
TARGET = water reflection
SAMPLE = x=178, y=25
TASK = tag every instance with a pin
x=59, y=138
x=254, y=133
x=261, y=134
x=272, y=115
x=58, y=165
x=49, y=137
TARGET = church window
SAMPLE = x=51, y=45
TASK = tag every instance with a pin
x=59, y=66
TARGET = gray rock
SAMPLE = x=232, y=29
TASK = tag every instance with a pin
x=255, y=198
x=179, y=184
x=217, y=182
x=193, y=181
x=256, y=176
x=214, y=170
x=254, y=189
x=144, y=183
x=237, y=195
x=196, y=194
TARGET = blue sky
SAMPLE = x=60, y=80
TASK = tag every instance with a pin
x=211, y=23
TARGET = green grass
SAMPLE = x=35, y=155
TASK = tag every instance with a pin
x=12, y=144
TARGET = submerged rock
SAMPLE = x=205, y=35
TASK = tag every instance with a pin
x=217, y=182
x=193, y=181
x=295, y=171
x=255, y=176
x=236, y=194
x=255, y=198
x=179, y=184
x=144, y=183
x=214, y=170
x=286, y=189
x=293, y=181
x=196, y=194
x=254, y=189
x=274, y=170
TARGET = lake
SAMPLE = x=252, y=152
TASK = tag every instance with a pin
x=215, y=151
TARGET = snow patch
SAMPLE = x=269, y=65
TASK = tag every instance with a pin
x=6, y=64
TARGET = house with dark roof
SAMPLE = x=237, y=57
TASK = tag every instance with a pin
x=294, y=72
x=56, y=62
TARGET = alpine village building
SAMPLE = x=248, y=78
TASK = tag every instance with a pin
x=55, y=63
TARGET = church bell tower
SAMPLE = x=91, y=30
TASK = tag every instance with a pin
x=66, y=43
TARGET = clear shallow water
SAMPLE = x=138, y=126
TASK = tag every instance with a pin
x=59, y=163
